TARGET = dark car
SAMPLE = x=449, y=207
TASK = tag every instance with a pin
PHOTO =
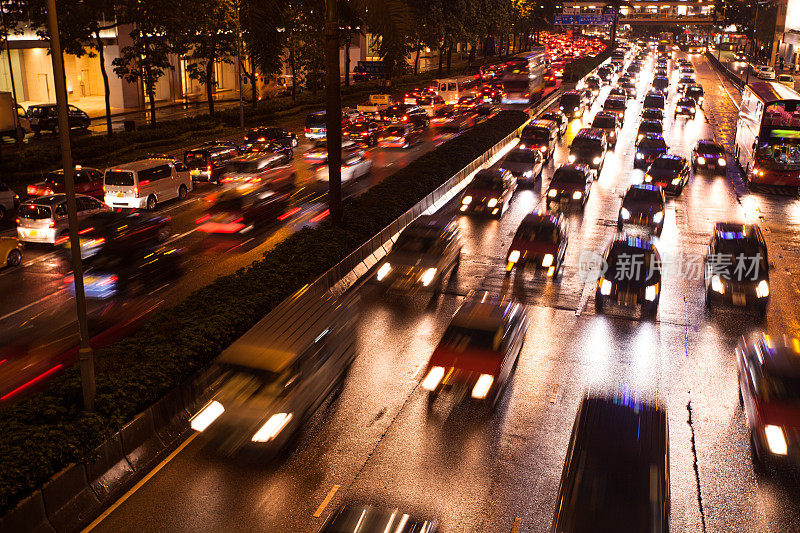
x=87, y=181
x=616, y=104
x=541, y=242
x=654, y=99
x=45, y=117
x=406, y=113
x=459, y=122
x=206, y=164
x=685, y=82
x=570, y=183
x=632, y=276
x=685, y=107
x=589, y=147
x=653, y=113
x=540, y=135
x=593, y=83
x=709, y=156
x=370, y=519
x=648, y=148
x=670, y=172
x=643, y=205
x=119, y=232
x=559, y=118
x=399, y=136
x=242, y=209
x=696, y=93
x=443, y=114
x=526, y=165
x=630, y=89
x=618, y=91
x=486, y=110
x=661, y=83
x=270, y=134
x=365, y=132
x=610, y=123
x=649, y=126
x=572, y=104
x=606, y=74
x=468, y=102
x=737, y=267
x=489, y=193
x=616, y=474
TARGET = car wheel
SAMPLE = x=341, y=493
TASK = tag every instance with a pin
x=762, y=311
x=151, y=203
x=14, y=258
x=759, y=463
x=183, y=192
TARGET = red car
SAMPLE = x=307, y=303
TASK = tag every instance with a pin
x=769, y=392
x=540, y=241
x=88, y=181
x=479, y=349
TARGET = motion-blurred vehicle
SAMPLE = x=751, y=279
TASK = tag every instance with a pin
x=443, y=115
x=540, y=135
x=653, y=99
x=145, y=183
x=687, y=70
x=319, y=152
x=661, y=84
x=559, y=118
x=425, y=254
x=648, y=148
x=479, y=349
x=206, y=164
x=589, y=147
x=399, y=136
x=670, y=172
x=616, y=474
x=87, y=181
x=643, y=205
x=45, y=117
x=459, y=122
x=629, y=286
x=316, y=127
x=407, y=113
x=274, y=377
x=355, y=164
x=541, y=242
x=652, y=113
x=243, y=208
x=737, y=267
x=616, y=105
x=486, y=110
x=270, y=134
x=10, y=252
x=606, y=74
x=685, y=82
x=112, y=231
x=363, y=132
x=468, y=102
x=768, y=371
x=430, y=103
x=695, y=92
x=572, y=104
x=685, y=107
x=270, y=147
x=9, y=200
x=764, y=72
x=571, y=183
x=593, y=83
x=489, y=193
x=709, y=156
x=44, y=219
x=526, y=165
x=265, y=167
x=786, y=79
x=649, y=126
x=366, y=518
x=610, y=123
x=630, y=89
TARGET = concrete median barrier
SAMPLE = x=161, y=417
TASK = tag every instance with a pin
x=69, y=501
x=140, y=443
x=170, y=417
x=110, y=471
x=28, y=515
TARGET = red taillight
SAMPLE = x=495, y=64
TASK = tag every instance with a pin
x=18, y=221
x=405, y=118
x=202, y=219
x=31, y=190
x=61, y=240
x=52, y=224
x=208, y=168
x=85, y=230
x=109, y=280
x=136, y=192
x=262, y=139
x=145, y=182
x=69, y=279
x=238, y=220
x=307, y=130
x=226, y=180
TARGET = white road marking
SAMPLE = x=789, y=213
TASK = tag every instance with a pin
x=326, y=501
x=40, y=300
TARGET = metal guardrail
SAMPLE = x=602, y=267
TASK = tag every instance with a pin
x=732, y=77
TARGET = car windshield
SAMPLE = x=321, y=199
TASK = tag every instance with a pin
x=667, y=163
x=652, y=114
x=585, y=144
x=464, y=338
x=709, y=148
x=358, y=128
x=35, y=212
x=521, y=156
x=535, y=132
x=650, y=127
x=740, y=259
x=650, y=143
x=248, y=382
x=654, y=101
x=686, y=102
x=569, y=175
x=120, y=178
x=627, y=263
x=642, y=195
x=697, y=91
x=54, y=178
x=395, y=111
x=780, y=388
x=570, y=100
x=487, y=181
x=779, y=157
x=604, y=122
x=315, y=121
x=417, y=244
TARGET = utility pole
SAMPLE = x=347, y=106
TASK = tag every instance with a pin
x=239, y=64
x=11, y=75
x=85, y=355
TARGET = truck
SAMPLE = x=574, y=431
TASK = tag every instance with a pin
x=8, y=123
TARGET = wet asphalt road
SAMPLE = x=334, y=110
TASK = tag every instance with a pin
x=376, y=441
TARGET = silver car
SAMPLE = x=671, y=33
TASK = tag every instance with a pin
x=44, y=220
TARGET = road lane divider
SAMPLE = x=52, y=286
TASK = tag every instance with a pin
x=326, y=501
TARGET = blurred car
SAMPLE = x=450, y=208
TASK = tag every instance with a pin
x=653, y=99
x=649, y=126
x=406, y=113
x=443, y=114
x=589, y=147
x=606, y=74
x=786, y=79
x=617, y=105
x=559, y=118
x=652, y=113
x=45, y=117
x=479, y=349
x=764, y=72
x=630, y=89
x=112, y=231
x=355, y=164
x=685, y=107
x=687, y=70
x=365, y=132
x=489, y=193
x=242, y=209
x=616, y=473
x=661, y=83
x=709, y=156
x=628, y=286
x=526, y=165
x=425, y=254
x=87, y=181
x=695, y=92
x=572, y=104
x=570, y=183
x=593, y=83
x=127, y=273
x=370, y=519
x=266, y=167
x=491, y=93
x=44, y=219
x=486, y=110
x=540, y=241
x=270, y=134
x=9, y=200
x=316, y=126
x=10, y=251
x=430, y=103
x=643, y=205
x=618, y=91
x=768, y=371
x=670, y=172
x=468, y=102
x=459, y=122
x=648, y=148
x=540, y=135
x=737, y=267
x=270, y=147
x=610, y=123
x=273, y=378
x=319, y=152
x=207, y=163
x=399, y=136
x=685, y=82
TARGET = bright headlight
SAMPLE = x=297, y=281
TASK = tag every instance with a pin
x=466, y=200
x=575, y=109
x=596, y=161
x=206, y=416
x=492, y=202
x=721, y=161
x=272, y=427
x=648, y=178
x=640, y=137
x=552, y=193
x=658, y=217
x=676, y=181
x=639, y=156
x=577, y=195
x=776, y=440
x=691, y=109
x=433, y=378
x=527, y=174
x=571, y=158
x=482, y=386
x=605, y=287
x=701, y=160
x=513, y=257
x=624, y=214
x=716, y=284
x=547, y=260
x=762, y=289
x=383, y=270
x=428, y=276
x=651, y=292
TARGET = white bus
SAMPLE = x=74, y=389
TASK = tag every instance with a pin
x=523, y=77
x=451, y=89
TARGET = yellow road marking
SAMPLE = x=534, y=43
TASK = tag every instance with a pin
x=326, y=501
x=515, y=527
x=554, y=394
x=136, y=487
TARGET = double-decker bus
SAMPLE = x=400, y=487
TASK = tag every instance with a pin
x=768, y=135
x=523, y=77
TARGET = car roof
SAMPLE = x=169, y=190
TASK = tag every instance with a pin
x=671, y=157
x=592, y=133
x=780, y=355
x=653, y=135
x=645, y=187
x=685, y=100
x=628, y=242
x=734, y=231
x=540, y=218
x=542, y=123
x=355, y=516
x=431, y=224
x=483, y=310
x=605, y=114
x=142, y=164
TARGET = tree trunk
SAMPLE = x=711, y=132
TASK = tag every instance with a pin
x=333, y=111
x=449, y=57
x=472, y=53
x=514, y=44
x=416, y=62
x=151, y=95
x=293, y=68
x=210, y=85
x=441, y=57
x=106, y=89
x=347, y=59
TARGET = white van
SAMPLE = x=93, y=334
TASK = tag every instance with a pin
x=451, y=89
x=145, y=183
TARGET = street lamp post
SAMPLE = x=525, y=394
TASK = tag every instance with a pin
x=239, y=64
x=85, y=355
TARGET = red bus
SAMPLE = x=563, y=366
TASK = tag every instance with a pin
x=768, y=135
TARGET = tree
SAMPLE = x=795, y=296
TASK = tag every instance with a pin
x=264, y=25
